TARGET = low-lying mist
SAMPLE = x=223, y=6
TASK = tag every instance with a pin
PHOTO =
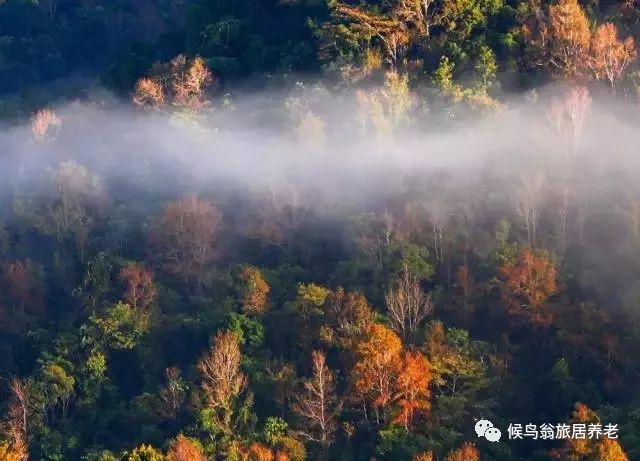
x=560, y=167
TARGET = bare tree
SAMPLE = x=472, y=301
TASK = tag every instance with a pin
x=184, y=237
x=172, y=395
x=438, y=217
x=567, y=115
x=276, y=213
x=408, y=305
x=563, y=213
x=578, y=102
x=76, y=201
x=222, y=379
x=317, y=405
x=421, y=14
x=528, y=203
x=16, y=425
x=387, y=109
x=51, y=8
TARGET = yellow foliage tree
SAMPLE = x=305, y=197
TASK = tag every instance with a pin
x=182, y=82
x=425, y=456
x=254, y=291
x=143, y=453
x=388, y=108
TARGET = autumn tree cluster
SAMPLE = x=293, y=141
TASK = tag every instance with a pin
x=363, y=304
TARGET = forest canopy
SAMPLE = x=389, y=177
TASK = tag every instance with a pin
x=318, y=229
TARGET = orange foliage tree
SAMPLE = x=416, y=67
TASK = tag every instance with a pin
x=561, y=40
x=559, y=36
x=185, y=449
x=389, y=378
x=609, y=55
x=425, y=456
x=610, y=450
x=139, y=291
x=467, y=452
x=149, y=94
x=603, y=449
x=582, y=415
x=412, y=387
x=528, y=284
x=7, y=453
x=259, y=452
x=378, y=363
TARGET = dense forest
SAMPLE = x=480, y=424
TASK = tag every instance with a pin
x=271, y=230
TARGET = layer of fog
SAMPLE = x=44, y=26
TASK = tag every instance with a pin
x=252, y=147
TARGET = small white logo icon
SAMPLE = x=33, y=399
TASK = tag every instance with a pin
x=484, y=428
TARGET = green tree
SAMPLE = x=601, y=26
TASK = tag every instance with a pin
x=119, y=327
